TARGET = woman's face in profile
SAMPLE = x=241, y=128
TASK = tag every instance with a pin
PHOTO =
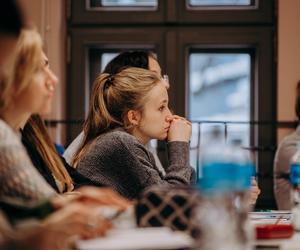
x=154, y=121
x=37, y=97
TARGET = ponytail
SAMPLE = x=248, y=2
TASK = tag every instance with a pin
x=112, y=97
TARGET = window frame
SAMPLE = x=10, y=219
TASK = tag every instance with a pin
x=227, y=50
x=107, y=15
x=172, y=11
x=259, y=42
x=172, y=32
x=260, y=12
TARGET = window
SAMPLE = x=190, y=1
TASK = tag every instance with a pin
x=219, y=82
x=219, y=2
x=219, y=90
x=116, y=11
x=122, y=3
x=219, y=54
x=106, y=58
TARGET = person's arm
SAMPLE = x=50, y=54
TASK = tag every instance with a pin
x=119, y=161
x=179, y=168
x=59, y=231
x=179, y=135
x=16, y=209
x=141, y=163
x=282, y=186
x=255, y=191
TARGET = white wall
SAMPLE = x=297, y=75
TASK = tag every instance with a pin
x=288, y=60
x=49, y=17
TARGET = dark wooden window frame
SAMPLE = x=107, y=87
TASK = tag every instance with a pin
x=257, y=12
x=80, y=14
x=174, y=11
x=172, y=33
x=258, y=42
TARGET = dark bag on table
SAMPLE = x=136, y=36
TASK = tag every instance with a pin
x=172, y=207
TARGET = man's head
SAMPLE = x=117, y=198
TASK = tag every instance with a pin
x=139, y=59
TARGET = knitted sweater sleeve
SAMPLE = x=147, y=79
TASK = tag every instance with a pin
x=142, y=162
x=18, y=177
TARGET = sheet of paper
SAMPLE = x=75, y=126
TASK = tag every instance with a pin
x=138, y=238
x=271, y=217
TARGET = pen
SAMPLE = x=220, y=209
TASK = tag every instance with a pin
x=263, y=210
x=277, y=221
x=114, y=216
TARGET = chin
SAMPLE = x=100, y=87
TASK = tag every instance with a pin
x=45, y=112
x=163, y=137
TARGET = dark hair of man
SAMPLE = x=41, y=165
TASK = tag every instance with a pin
x=137, y=58
x=11, y=20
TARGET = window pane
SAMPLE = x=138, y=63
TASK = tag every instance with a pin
x=219, y=86
x=219, y=90
x=106, y=58
x=123, y=3
x=219, y=2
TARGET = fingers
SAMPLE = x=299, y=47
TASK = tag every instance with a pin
x=254, y=187
x=76, y=219
x=180, y=130
x=253, y=181
x=103, y=197
x=181, y=118
x=255, y=191
x=95, y=226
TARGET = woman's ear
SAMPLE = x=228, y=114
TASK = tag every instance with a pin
x=134, y=117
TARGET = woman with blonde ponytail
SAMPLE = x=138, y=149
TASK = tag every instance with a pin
x=127, y=110
x=144, y=59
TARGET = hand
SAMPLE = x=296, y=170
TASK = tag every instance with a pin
x=93, y=196
x=180, y=129
x=61, y=229
x=76, y=219
x=255, y=191
x=103, y=197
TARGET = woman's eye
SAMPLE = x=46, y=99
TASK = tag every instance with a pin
x=161, y=108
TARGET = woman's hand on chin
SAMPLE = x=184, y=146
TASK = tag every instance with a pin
x=180, y=129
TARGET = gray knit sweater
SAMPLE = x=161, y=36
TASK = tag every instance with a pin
x=117, y=159
x=18, y=177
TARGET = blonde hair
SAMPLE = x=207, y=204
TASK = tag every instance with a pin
x=27, y=59
x=112, y=97
x=36, y=133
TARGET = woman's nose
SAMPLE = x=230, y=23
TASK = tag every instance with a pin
x=169, y=116
x=52, y=78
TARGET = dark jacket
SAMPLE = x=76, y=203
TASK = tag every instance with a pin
x=40, y=165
